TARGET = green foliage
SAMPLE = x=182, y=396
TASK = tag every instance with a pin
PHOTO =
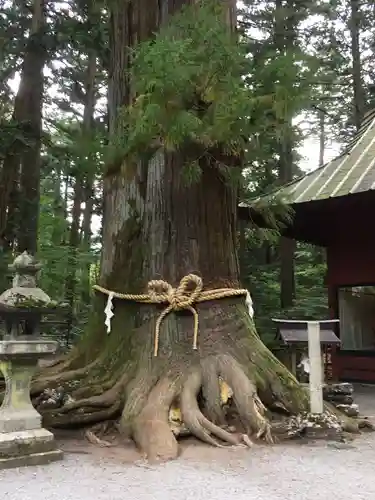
x=263, y=282
x=287, y=65
x=190, y=94
x=270, y=212
x=198, y=90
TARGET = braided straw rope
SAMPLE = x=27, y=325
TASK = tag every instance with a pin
x=189, y=292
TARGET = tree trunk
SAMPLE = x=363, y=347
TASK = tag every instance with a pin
x=158, y=227
x=30, y=97
x=87, y=215
x=88, y=190
x=287, y=246
x=284, y=41
x=58, y=210
x=80, y=194
x=86, y=237
x=21, y=166
x=12, y=215
x=359, y=97
x=8, y=181
x=74, y=241
x=66, y=196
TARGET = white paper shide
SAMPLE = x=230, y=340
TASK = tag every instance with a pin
x=108, y=311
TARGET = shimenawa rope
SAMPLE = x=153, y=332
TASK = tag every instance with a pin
x=189, y=292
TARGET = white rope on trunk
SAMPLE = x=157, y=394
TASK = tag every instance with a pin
x=185, y=296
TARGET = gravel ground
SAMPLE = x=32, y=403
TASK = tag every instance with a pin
x=293, y=472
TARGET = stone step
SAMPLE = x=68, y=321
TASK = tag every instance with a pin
x=30, y=460
x=25, y=448
x=24, y=443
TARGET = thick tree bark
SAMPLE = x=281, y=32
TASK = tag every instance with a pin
x=158, y=227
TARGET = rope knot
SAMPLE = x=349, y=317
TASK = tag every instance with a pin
x=188, y=292
x=180, y=298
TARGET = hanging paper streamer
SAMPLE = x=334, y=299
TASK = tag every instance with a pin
x=249, y=303
x=108, y=311
x=305, y=364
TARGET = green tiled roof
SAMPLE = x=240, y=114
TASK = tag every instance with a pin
x=351, y=172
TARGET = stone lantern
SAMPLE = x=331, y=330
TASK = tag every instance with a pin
x=23, y=441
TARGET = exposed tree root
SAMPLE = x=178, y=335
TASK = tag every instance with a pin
x=355, y=426
x=150, y=397
x=142, y=395
x=54, y=419
x=93, y=389
x=61, y=364
x=94, y=439
x=56, y=363
x=194, y=419
x=196, y=391
x=105, y=400
x=151, y=429
x=96, y=432
x=250, y=408
x=150, y=426
x=212, y=407
x=53, y=380
x=365, y=424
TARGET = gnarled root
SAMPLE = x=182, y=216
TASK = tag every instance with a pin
x=249, y=406
x=105, y=400
x=92, y=410
x=154, y=390
x=355, y=426
x=212, y=407
x=146, y=397
x=194, y=419
x=178, y=379
x=95, y=433
x=151, y=430
x=49, y=380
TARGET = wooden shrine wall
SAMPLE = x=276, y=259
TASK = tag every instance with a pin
x=351, y=264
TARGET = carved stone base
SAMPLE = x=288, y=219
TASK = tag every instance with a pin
x=32, y=447
x=18, y=421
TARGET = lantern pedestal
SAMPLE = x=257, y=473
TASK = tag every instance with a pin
x=23, y=441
